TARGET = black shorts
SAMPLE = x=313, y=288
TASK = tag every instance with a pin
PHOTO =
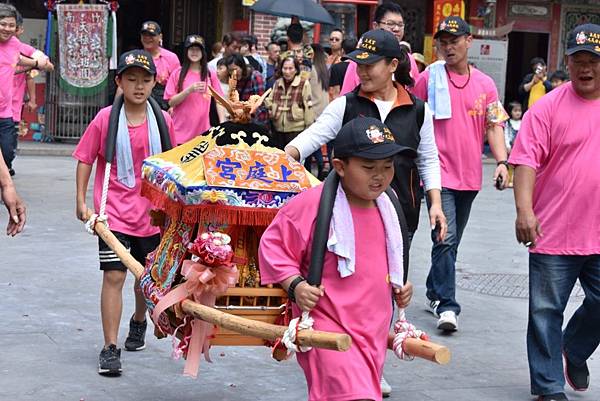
x=139, y=247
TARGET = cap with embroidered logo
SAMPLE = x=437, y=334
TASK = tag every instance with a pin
x=454, y=26
x=584, y=37
x=368, y=138
x=136, y=58
x=151, y=27
x=375, y=45
x=194, y=40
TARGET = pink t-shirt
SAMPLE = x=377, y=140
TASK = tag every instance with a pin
x=20, y=84
x=559, y=139
x=191, y=117
x=460, y=139
x=351, y=79
x=9, y=57
x=359, y=305
x=165, y=63
x=19, y=88
x=126, y=209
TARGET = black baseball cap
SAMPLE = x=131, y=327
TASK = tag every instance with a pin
x=194, y=40
x=136, y=58
x=375, y=45
x=585, y=38
x=454, y=26
x=151, y=27
x=368, y=138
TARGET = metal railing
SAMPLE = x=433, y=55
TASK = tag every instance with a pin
x=68, y=115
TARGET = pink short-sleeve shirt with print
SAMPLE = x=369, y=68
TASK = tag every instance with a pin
x=460, y=138
x=559, y=140
x=126, y=209
x=191, y=117
x=10, y=53
x=165, y=63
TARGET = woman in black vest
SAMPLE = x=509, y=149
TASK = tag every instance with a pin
x=379, y=58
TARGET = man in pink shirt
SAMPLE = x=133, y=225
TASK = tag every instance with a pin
x=471, y=110
x=10, y=58
x=389, y=17
x=557, y=193
x=165, y=61
x=23, y=79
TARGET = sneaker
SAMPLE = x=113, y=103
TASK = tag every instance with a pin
x=553, y=397
x=431, y=306
x=578, y=377
x=447, y=321
x=109, y=362
x=386, y=389
x=137, y=334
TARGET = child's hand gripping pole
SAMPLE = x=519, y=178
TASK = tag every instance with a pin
x=93, y=218
x=306, y=297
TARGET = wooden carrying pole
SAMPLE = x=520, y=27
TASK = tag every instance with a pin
x=308, y=338
x=266, y=331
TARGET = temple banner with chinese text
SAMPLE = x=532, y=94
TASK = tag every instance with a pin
x=226, y=167
x=82, y=35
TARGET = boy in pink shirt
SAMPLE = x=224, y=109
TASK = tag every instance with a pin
x=127, y=212
x=466, y=109
x=362, y=267
x=188, y=94
x=557, y=193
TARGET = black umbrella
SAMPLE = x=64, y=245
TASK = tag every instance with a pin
x=306, y=10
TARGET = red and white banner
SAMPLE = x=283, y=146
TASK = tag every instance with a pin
x=82, y=35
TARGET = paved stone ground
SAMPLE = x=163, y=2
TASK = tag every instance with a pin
x=51, y=333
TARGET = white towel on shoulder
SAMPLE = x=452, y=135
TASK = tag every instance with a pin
x=125, y=172
x=438, y=93
x=341, y=237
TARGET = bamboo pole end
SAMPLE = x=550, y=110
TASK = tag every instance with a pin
x=344, y=341
x=443, y=356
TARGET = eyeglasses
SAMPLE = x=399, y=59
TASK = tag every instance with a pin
x=334, y=39
x=392, y=24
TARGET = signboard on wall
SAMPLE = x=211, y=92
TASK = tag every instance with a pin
x=441, y=10
x=446, y=8
x=490, y=57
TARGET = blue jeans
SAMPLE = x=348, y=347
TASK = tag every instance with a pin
x=320, y=162
x=551, y=279
x=441, y=281
x=8, y=140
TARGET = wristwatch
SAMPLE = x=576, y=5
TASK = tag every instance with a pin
x=503, y=162
x=292, y=288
